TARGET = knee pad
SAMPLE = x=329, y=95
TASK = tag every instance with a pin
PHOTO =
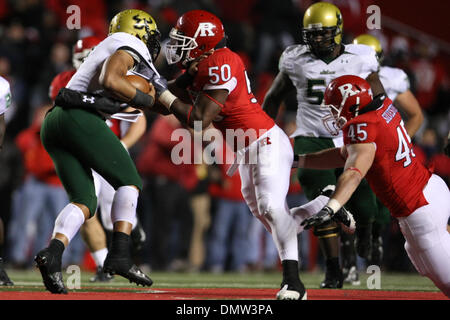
x=124, y=205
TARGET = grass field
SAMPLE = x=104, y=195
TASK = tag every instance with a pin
x=198, y=286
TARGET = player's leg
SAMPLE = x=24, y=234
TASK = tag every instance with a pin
x=271, y=177
x=312, y=182
x=4, y=279
x=94, y=236
x=427, y=240
x=382, y=220
x=102, y=151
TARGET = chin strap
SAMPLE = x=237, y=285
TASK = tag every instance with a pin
x=373, y=105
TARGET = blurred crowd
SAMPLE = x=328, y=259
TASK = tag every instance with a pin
x=194, y=215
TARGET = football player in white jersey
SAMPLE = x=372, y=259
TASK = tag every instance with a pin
x=78, y=139
x=396, y=84
x=5, y=102
x=308, y=68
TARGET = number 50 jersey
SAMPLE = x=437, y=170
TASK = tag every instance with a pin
x=396, y=176
x=224, y=69
x=311, y=75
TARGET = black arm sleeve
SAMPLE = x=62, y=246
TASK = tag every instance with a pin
x=71, y=99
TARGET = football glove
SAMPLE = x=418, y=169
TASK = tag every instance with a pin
x=319, y=218
x=71, y=99
x=160, y=85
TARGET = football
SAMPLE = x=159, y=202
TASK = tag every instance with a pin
x=139, y=83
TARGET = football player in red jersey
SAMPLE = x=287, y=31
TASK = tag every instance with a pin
x=377, y=147
x=221, y=95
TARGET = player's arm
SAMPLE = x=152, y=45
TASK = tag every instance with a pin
x=113, y=79
x=206, y=107
x=324, y=159
x=375, y=84
x=409, y=104
x=135, y=132
x=359, y=160
x=2, y=129
x=281, y=86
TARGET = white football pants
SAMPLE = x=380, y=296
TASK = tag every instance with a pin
x=427, y=240
x=265, y=184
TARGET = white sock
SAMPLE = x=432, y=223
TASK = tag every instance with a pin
x=69, y=221
x=99, y=256
x=307, y=210
x=124, y=205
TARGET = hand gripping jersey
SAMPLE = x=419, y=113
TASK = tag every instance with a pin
x=311, y=75
x=5, y=95
x=394, y=80
x=224, y=69
x=396, y=176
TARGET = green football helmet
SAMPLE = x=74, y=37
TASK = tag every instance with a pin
x=370, y=41
x=322, y=28
x=139, y=24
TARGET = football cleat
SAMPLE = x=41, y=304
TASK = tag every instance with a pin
x=332, y=281
x=46, y=263
x=4, y=279
x=351, y=276
x=125, y=268
x=288, y=292
x=101, y=276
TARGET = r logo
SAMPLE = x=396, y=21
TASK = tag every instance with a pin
x=205, y=29
x=346, y=90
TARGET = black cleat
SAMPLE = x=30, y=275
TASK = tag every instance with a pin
x=332, y=282
x=4, y=279
x=334, y=278
x=123, y=267
x=46, y=263
x=101, y=276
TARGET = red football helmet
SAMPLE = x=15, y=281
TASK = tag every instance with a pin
x=345, y=96
x=195, y=33
x=82, y=48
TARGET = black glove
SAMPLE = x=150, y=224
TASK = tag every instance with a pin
x=319, y=218
x=160, y=85
x=71, y=99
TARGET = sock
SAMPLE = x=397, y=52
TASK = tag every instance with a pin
x=307, y=210
x=99, y=256
x=56, y=248
x=69, y=221
x=120, y=246
x=333, y=265
x=290, y=274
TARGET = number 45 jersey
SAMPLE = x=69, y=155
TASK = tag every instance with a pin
x=396, y=176
x=311, y=75
x=224, y=69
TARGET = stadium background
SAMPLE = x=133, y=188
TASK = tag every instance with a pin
x=35, y=45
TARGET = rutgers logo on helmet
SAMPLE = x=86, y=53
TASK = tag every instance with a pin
x=195, y=33
x=344, y=97
x=82, y=49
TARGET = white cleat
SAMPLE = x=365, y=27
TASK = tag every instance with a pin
x=285, y=294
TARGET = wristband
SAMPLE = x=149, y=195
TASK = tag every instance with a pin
x=184, y=81
x=141, y=99
x=334, y=205
x=167, y=98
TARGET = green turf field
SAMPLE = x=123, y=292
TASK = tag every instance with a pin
x=31, y=281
